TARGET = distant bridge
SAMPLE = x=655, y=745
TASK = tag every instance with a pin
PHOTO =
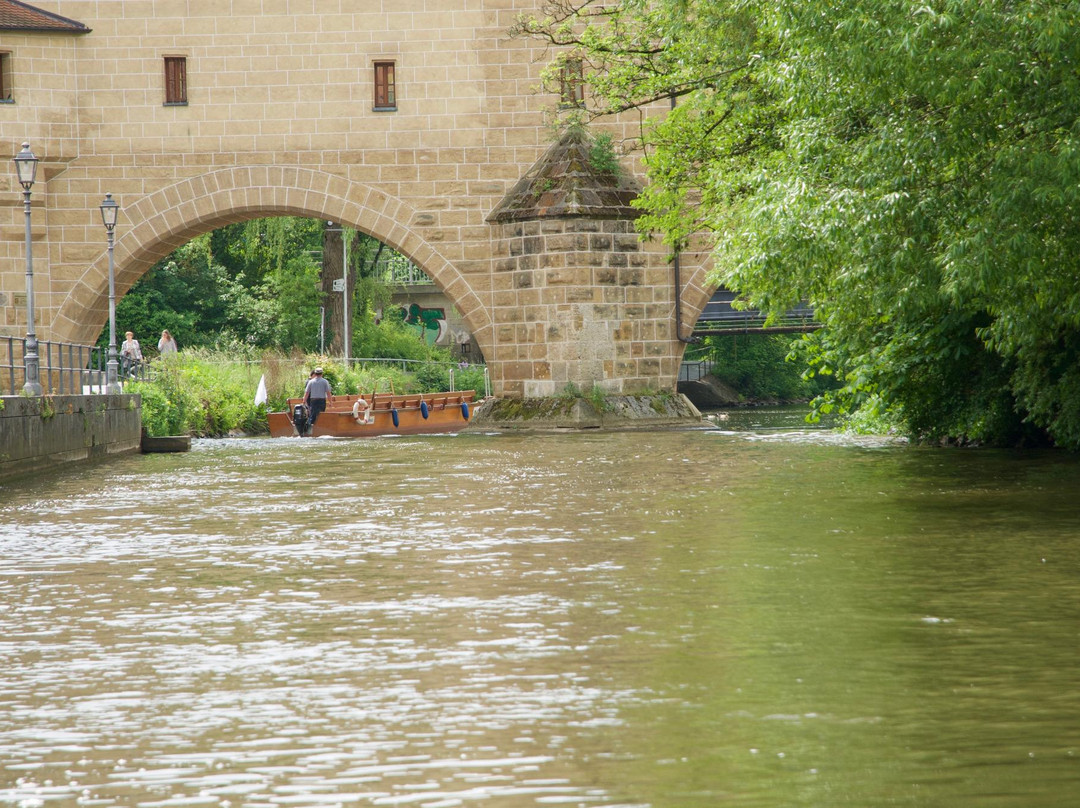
x=720, y=317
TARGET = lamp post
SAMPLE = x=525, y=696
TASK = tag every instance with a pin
x=26, y=169
x=109, y=212
x=345, y=296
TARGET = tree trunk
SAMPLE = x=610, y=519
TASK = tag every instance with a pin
x=332, y=262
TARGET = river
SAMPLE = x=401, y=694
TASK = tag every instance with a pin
x=755, y=615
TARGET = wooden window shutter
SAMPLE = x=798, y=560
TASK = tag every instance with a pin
x=175, y=79
x=385, y=87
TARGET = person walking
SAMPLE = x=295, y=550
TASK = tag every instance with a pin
x=315, y=395
x=130, y=354
x=167, y=344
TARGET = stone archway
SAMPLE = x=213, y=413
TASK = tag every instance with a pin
x=173, y=215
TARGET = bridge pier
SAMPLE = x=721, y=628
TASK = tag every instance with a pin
x=578, y=299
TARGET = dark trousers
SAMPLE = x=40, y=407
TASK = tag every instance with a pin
x=316, y=405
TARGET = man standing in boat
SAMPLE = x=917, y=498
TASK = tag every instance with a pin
x=315, y=395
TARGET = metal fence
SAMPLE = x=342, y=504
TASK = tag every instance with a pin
x=66, y=368
x=721, y=317
x=695, y=371
x=395, y=269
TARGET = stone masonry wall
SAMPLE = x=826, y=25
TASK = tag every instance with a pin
x=280, y=121
x=41, y=433
x=582, y=302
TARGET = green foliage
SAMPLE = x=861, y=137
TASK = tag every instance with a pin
x=872, y=418
x=211, y=393
x=602, y=155
x=256, y=283
x=911, y=170
x=597, y=398
x=470, y=377
x=757, y=366
x=201, y=393
x=390, y=339
x=570, y=391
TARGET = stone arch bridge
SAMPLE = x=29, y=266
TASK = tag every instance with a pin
x=418, y=122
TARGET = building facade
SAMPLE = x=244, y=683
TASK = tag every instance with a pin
x=410, y=120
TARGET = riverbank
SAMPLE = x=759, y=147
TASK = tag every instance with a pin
x=619, y=412
x=41, y=432
x=710, y=393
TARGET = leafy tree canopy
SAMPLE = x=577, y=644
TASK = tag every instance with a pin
x=259, y=283
x=913, y=170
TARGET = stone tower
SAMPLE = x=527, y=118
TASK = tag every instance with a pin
x=578, y=298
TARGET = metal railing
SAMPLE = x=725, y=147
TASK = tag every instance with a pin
x=66, y=368
x=695, y=371
x=720, y=317
x=397, y=270
x=419, y=362
x=358, y=362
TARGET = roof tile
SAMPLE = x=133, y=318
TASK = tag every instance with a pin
x=16, y=16
x=563, y=182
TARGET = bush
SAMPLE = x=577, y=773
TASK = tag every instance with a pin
x=166, y=405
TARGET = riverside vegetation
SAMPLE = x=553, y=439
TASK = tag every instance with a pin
x=211, y=393
x=246, y=301
x=909, y=169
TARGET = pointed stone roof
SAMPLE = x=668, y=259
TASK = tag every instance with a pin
x=16, y=16
x=563, y=182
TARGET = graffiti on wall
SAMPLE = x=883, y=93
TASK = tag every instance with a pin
x=431, y=325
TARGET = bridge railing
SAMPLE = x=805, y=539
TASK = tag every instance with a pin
x=397, y=270
x=65, y=368
x=695, y=371
x=720, y=317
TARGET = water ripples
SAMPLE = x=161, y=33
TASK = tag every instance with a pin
x=631, y=620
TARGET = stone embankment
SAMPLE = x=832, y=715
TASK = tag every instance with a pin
x=38, y=433
x=709, y=393
x=568, y=413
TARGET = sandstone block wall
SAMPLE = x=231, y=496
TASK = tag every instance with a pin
x=280, y=121
x=41, y=433
x=584, y=302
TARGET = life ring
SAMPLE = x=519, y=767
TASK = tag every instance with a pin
x=357, y=406
x=424, y=409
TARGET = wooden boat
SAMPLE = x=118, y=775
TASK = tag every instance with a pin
x=371, y=414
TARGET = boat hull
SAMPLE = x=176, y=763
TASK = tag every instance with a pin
x=383, y=414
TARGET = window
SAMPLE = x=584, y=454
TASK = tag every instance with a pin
x=176, y=80
x=572, y=84
x=5, y=79
x=385, y=89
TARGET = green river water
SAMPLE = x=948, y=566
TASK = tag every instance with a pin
x=755, y=615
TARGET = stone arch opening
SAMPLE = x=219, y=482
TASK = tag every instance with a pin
x=164, y=220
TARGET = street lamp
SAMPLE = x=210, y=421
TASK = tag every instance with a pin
x=109, y=212
x=26, y=168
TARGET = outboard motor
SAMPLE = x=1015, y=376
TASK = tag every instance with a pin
x=300, y=419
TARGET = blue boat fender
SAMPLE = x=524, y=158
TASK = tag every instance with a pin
x=394, y=415
x=465, y=410
x=424, y=409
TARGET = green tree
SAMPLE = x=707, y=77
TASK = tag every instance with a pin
x=757, y=366
x=910, y=169
x=260, y=283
